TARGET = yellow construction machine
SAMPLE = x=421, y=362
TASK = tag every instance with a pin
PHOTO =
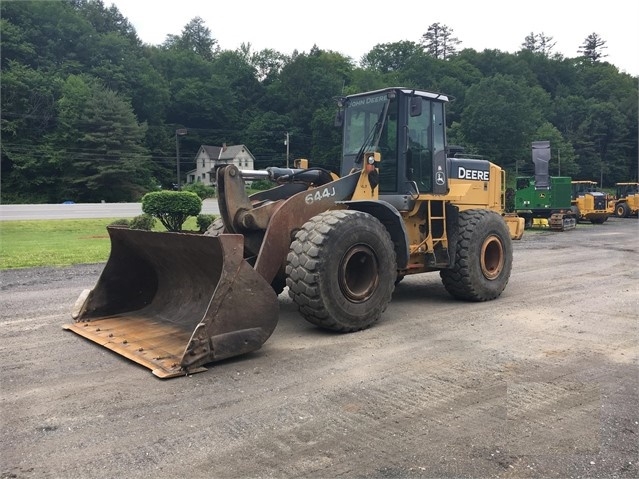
x=589, y=203
x=626, y=200
x=175, y=302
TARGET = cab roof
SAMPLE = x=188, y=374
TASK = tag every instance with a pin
x=407, y=91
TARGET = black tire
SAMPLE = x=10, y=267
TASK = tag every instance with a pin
x=341, y=270
x=576, y=212
x=483, y=257
x=528, y=222
x=217, y=228
x=599, y=220
x=622, y=210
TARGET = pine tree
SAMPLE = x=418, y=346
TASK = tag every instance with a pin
x=438, y=41
x=539, y=43
x=592, y=46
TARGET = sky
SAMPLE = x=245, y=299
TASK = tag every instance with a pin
x=354, y=27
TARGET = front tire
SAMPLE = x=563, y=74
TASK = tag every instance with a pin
x=483, y=257
x=576, y=212
x=341, y=270
x=622, y=210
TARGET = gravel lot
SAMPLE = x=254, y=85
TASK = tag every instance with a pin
x=542, y=382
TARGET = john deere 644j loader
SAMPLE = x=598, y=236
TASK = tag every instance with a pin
x=175, y=302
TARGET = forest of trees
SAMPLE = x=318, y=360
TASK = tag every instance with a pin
x=90, y=113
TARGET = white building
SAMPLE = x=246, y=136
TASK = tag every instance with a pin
x=209, y=157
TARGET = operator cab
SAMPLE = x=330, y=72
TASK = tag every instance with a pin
x=407, y=127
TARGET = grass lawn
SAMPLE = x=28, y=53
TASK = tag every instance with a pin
x=27, y=244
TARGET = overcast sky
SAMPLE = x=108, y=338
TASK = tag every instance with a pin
x=354, y=27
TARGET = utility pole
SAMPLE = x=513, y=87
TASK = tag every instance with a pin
x=286, y=142
x=178, y=133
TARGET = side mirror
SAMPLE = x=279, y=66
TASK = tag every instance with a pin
x=339, y=118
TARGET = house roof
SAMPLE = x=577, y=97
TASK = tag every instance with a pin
x=224, y=152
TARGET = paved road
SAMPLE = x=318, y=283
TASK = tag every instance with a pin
x=83, y=210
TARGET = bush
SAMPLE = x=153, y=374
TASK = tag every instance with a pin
x=121, y=223
x=172, y=208
x=204, y=221
x=142, y=222
x=200, y=189
x=262, y=185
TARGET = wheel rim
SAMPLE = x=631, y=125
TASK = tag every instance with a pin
x=492, y=257
x=620, y=211
x=358, y=273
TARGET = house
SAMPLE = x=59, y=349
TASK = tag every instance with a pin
x=209, y=157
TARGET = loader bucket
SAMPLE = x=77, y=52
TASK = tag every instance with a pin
x=174, y=302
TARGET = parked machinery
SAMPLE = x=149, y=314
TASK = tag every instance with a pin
x=544, y=201
x=175, y=302
x=589, y=203
x=626, y=200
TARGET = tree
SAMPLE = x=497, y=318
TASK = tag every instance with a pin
x=306, y=84
x=28, y=99
x=266, y=132
x=390, y=57
x=99, y=144
x=438, y=41
x=539, y=43
x=267, y=63
x=196, y=37
x=592, y=47
x=106, y=20
x=500, y=118
x=563, y=157
x=599, y=144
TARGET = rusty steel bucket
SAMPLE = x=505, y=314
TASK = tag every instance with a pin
x=174, y=302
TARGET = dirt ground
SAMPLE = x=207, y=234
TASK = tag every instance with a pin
x=541, y=383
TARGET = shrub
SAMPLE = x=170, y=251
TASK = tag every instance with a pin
x=200, y=189
x=121, y=223
x=142, y=222
x=204, y=221
x=262, y=185
x=172, y=208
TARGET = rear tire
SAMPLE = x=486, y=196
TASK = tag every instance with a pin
x=341, y=270
x=483, y=257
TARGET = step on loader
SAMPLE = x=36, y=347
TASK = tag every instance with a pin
x=340, y=242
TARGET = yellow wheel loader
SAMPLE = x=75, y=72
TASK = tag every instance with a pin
x=175, y=302
x=589, y=203
x=626, y=200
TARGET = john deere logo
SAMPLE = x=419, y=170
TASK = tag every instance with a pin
x=440, y=179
